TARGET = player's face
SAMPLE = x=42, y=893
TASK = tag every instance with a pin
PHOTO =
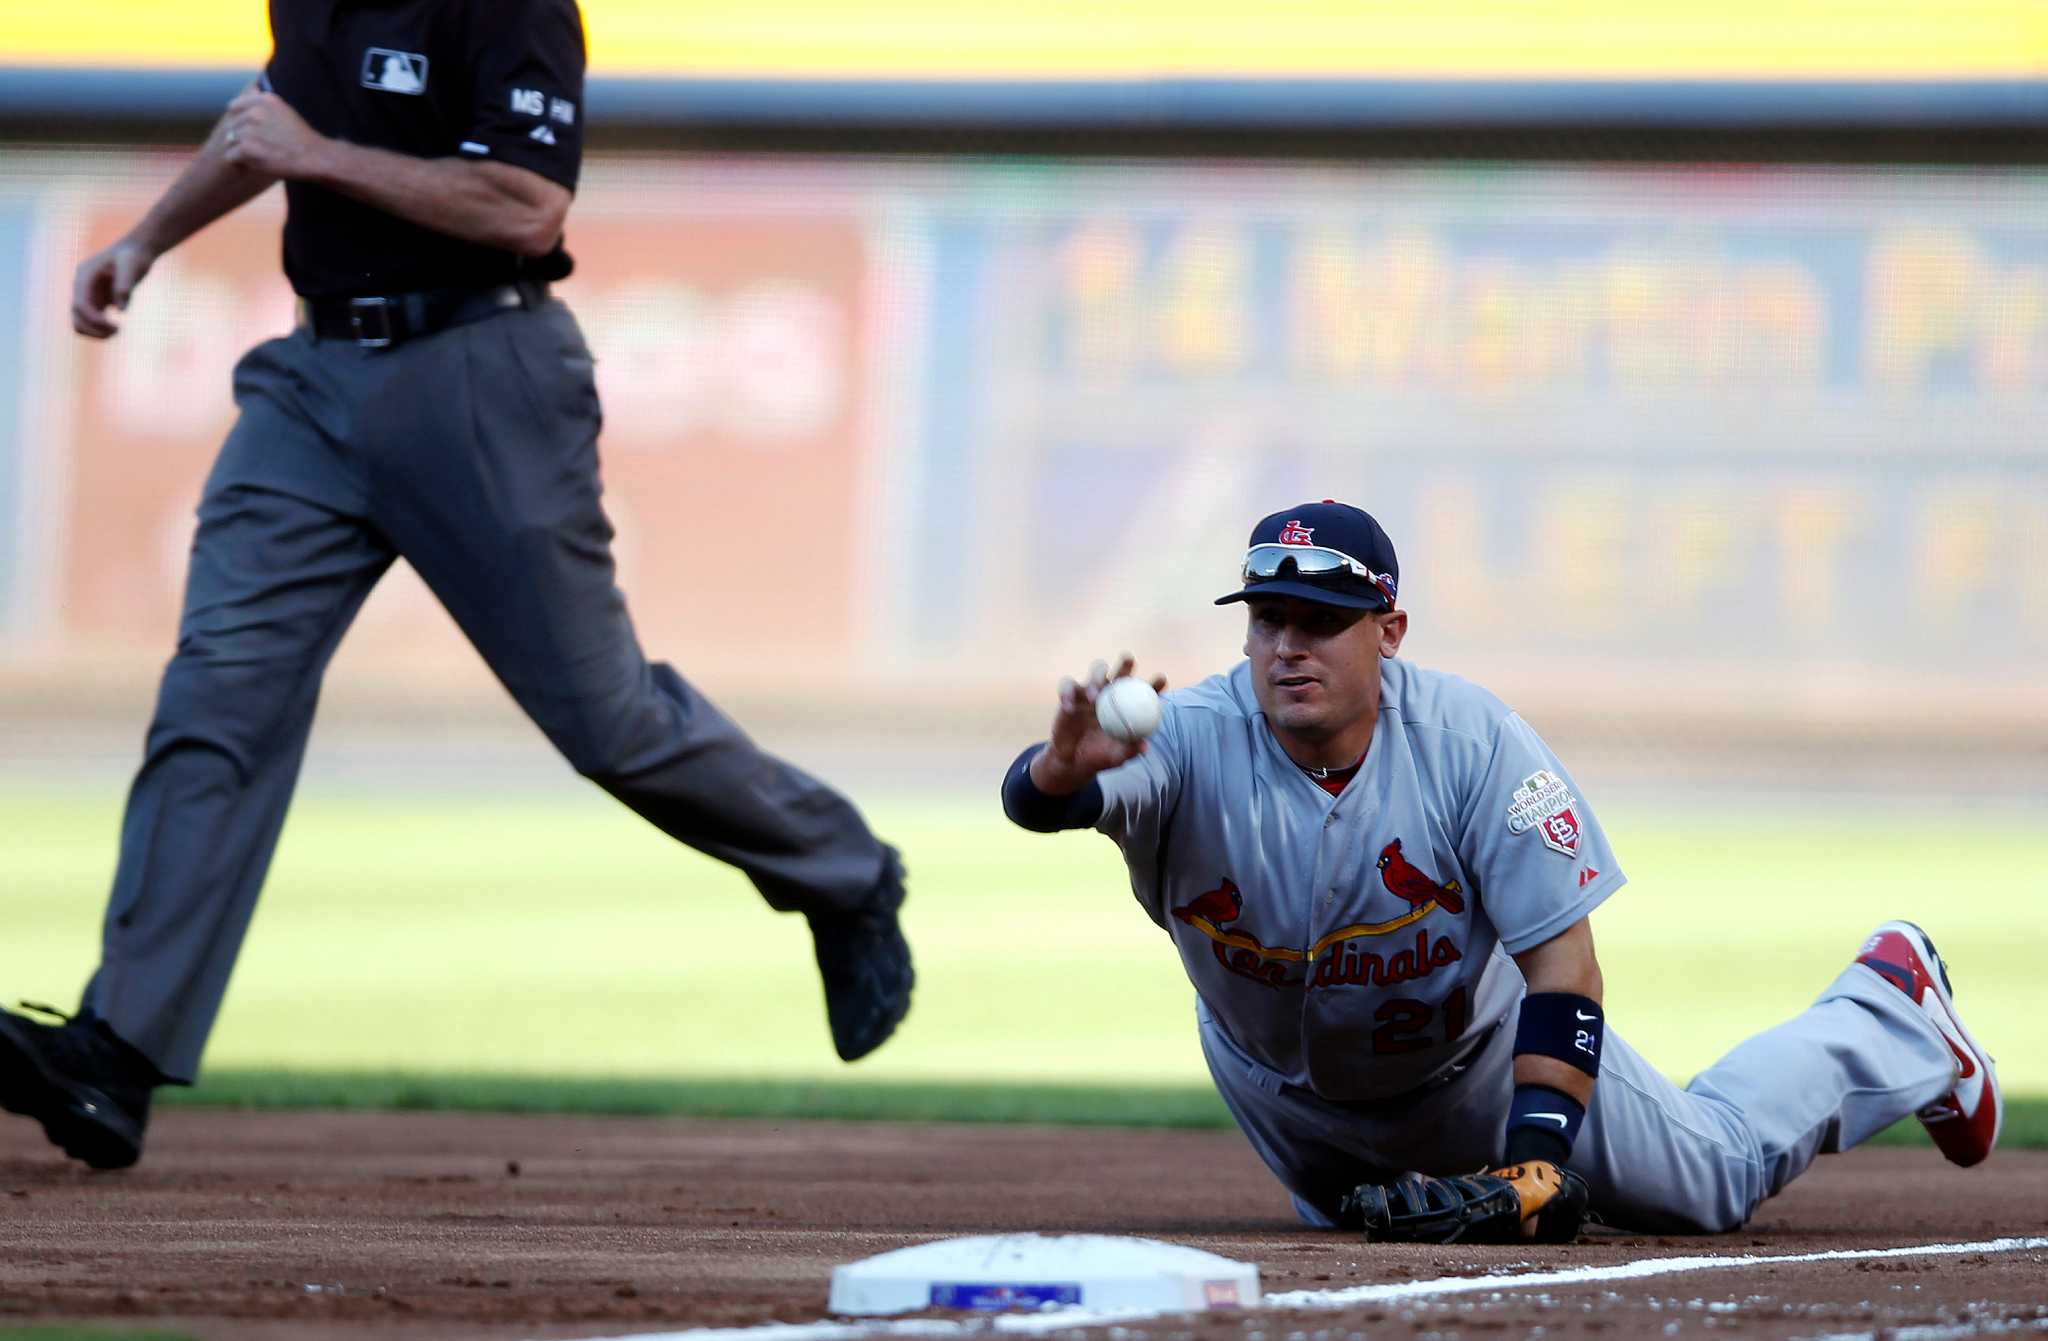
x=1316, y=668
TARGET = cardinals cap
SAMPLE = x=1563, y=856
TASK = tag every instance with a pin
x=1328, y=552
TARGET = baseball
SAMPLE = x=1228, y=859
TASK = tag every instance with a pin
x=1128, y=709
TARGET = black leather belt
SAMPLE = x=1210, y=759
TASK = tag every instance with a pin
x=380, y=321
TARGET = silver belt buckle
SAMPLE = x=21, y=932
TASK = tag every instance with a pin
x=370, y=333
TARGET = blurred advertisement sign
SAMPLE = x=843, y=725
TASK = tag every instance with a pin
x=729, y=367
x=1641, y=418
x=1647, y=429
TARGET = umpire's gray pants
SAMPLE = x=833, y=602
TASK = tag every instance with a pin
x=473, y=454
x=1656, y=1157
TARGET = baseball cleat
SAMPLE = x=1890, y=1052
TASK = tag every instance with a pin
x=1964, y=1122
x=79, y=1081
x=865, y=964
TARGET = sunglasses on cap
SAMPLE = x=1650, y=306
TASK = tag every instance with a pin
x=1264, y=563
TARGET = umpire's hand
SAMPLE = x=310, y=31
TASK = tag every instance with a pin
x=104, y=280
x=263, y=134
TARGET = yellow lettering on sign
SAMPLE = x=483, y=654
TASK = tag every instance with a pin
x=1100, y=270
x=1202, y=313
x=1332, y=311
x=1955, y=558
x=1697, y=541
x=1814, y=524
x=2016, y=330
x=1924, y=286
x=1781, y=319
x=2030, y=522
x=1633, y=294
x=1410, y=322
x=1581, y=552
x=1449, y=518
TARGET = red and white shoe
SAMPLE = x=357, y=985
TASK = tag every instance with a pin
x=1964, y=1122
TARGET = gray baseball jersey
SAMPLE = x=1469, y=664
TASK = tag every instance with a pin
x=1356, y=944
x=1352, y=958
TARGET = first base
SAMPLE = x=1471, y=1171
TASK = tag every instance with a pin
x=1098, y=1272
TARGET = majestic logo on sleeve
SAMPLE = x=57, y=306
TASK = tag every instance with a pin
x=1544, y=803
x=1333, y=961
x=391, y=71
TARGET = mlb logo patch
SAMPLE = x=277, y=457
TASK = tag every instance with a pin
x=1544, y=803
x=390, y=71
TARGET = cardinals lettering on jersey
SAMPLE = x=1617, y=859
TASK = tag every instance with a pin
x=1337, y=960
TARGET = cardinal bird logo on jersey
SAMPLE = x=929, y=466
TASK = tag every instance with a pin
x=1218, y=905
x=1405, y=880
x=1242, y=953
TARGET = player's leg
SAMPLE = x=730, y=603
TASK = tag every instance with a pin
x=278, y=568
x=1705, y=1157
x=1321, y=1150
x=495, y=501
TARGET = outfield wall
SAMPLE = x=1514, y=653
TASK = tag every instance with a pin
x=1672, y=445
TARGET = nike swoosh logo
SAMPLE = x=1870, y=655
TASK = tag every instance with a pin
x=1559, y=1118
x=1969, y=1090
x=1582, y=1015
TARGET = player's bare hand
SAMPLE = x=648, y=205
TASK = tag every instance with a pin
x=105, y=280
x=1078, y=748
x=262, y=133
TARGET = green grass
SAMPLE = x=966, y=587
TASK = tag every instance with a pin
x=848, y=1100
x=553, y=935
x=1189, y=1106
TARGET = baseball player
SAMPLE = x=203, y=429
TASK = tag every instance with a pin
x=435, y=403
x=1379, y=880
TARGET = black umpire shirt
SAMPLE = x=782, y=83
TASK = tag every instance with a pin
x=492, y=80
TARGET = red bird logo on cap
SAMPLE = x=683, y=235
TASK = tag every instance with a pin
x=1294, y=533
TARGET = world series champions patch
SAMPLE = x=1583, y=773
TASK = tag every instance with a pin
x=1544, y=803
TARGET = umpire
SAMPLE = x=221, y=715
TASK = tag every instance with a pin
x=436, y=403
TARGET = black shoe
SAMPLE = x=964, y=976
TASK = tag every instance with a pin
x=865, y=963
x=88, y=1088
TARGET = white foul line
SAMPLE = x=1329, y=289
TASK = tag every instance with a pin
x=1068, y=1319
x=1648, y=1266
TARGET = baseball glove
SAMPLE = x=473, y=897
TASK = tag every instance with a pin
x=1492, y=1207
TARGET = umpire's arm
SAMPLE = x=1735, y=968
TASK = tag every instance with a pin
x=496, y=204
x=212, y=185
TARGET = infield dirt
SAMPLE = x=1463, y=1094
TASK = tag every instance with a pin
x=347, y=1227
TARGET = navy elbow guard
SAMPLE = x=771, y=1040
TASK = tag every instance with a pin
x=1030, y=808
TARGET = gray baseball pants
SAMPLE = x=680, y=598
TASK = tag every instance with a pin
x=472, y=453
x=1656, y=1157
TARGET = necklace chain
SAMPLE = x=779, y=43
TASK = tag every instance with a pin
x=1323, y=773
